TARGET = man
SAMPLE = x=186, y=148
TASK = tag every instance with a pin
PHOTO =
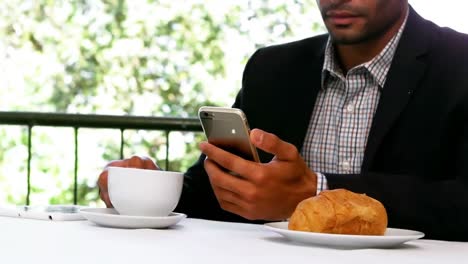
x=377, y=106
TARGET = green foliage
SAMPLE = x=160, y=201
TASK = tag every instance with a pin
x=140, y=57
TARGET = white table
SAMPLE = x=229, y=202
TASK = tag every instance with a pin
x=192, y=241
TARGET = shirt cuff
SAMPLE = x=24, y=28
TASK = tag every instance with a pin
x=322, y=183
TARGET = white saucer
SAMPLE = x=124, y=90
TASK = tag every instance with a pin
x=109, y=217
x=393, y=237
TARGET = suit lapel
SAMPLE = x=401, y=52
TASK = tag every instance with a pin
x=299, y=98
x=294, y=102
x=311, y=78
x=403, y=79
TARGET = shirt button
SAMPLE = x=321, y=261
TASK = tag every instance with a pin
x=350, y=108
x=346, y=166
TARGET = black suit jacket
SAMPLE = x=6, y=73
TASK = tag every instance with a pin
x=416, y=159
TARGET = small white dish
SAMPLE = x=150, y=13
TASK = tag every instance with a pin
x=110, y=218
x=393, y=237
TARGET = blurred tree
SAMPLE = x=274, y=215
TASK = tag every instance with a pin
x=140, y=57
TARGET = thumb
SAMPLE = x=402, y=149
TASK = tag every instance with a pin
x=270, y=143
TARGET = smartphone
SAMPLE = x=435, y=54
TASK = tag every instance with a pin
x=48, y=212
x=228, y=129
x=51, y=212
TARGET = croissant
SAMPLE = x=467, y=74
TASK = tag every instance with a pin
x=340, y=212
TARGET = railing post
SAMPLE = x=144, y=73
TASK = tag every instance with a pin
x=167, y=149
x=122, y=141
x=75, y=176
x=28, y=177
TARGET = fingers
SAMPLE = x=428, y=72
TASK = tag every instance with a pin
x=149, y=164
x=221, y=179
x=116, y=163
x=134, y=162
x=103, y=191
x=224, y=196
x=272, y=144
x=233, y=203
x=229, y=202
x=228, y=160
x=140, y=163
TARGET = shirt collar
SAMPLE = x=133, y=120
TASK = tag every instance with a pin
x=378, y=67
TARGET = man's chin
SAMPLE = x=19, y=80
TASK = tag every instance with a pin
x=348, y=39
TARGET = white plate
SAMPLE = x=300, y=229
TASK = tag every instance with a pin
x=109, y=217
x=393, y=237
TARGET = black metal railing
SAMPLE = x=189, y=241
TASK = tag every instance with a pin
x=77, y=121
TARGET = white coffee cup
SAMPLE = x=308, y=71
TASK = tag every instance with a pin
x=140, y=192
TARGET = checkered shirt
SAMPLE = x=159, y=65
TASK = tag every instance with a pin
x=343, y=113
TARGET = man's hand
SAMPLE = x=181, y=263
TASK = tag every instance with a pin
x=133, y=162
x=268, y=191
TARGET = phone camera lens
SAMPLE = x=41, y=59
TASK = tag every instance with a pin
x=205, y=114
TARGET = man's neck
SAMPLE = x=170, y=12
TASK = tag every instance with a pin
x=350, y=56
